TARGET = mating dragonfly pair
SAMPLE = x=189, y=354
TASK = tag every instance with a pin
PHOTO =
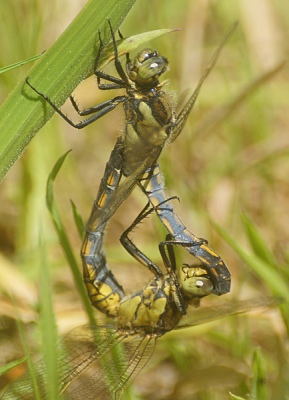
x=141, y=318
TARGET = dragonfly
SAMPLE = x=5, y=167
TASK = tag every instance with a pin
x=102, y=287
x=151, y=123
x=79, y=355
x=139, y=320
x=100, y=361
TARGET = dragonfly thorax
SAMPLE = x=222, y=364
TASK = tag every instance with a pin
x=151, y=310
x=147, y=67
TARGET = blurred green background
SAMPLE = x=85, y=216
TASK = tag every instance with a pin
x=231, y=158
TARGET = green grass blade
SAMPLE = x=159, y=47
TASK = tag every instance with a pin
x=48, y=328
x=30, y=366
x=63, y=238
x=259, y=389
x=233, y=397
x=78, y=220
x=20, y=63
x=259, y=386
x=59, y=71
x=257, y=242
x=21, y=118
x=11, y=365
x=270, y=276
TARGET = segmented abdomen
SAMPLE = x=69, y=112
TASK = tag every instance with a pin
x=152, y=184
x=103, y=289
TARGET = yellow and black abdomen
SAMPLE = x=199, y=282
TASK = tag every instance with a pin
x=151, y=182
x=103, y=289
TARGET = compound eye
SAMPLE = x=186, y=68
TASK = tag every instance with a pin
x=151, y=69
x=197, y=286
x=147, y=68
x=144, y=55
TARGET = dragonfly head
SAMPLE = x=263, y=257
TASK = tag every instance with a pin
x=195, y=283
x=147, y=67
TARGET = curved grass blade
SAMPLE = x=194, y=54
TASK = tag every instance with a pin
x=48, y=327
x=20, y=63
x=258, y=243
x=21, y=118
x=63, y=238
x=78, y=220
x=259, y=385
x=11, y=365
x=129, y=44
x=30, y=366
x=259, y=390
x=233, y=397
x=63, y=66
x=272, y=277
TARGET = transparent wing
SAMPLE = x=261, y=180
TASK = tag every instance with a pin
x=207, y=314
x=184, y=114
x=77, y=357
x=111, y=380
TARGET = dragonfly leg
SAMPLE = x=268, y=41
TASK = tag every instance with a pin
x=117, y=63
x=103, y=108
x=128, y=61
x=171, y=259
x=170, y=263
x=117, y=83
x=100, y=110
x=131, y=247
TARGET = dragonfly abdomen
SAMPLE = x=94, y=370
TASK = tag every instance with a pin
x=152, y=184
x=103, y=289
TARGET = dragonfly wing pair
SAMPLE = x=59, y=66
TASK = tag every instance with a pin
x=85, y=367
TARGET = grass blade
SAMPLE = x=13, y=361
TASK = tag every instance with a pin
x=63, y=238
x=273, y=279
x=11, y=365
x=257, y=242
x=48, y=328
x=259, y=390
x=233, y=397
x=20, y=117
x=32, y=372
x=20, y=63
x=56, y=74
x=78, y=220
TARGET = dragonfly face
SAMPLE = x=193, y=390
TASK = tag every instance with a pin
x=194, y=283
x=146, y=68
